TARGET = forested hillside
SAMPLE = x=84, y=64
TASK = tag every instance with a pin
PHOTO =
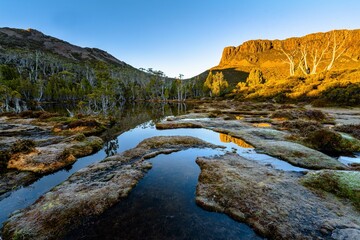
x=38, y=68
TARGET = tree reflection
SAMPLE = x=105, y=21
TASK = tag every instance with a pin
x=111, y=147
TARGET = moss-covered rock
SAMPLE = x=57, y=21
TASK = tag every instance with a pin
x=341, y=183
x=273, y=202
x=308, y=114
x=85, y=146
x=328, y=141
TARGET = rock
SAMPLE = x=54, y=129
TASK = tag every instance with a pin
x=11, y=180
x=273, y=202
x=346, y=234
x=91, y=191
x=54, y=157
x=270, y=141
x=342, y=183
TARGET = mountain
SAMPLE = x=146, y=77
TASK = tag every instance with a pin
x=323, y=68
x=37, y=68
x=31, y=40
x=270, y=55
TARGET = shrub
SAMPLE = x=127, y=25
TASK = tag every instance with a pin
x=292, y=114
x=84, y=123
x=300, y=127
x=22, y=146
x=343, y=95
x=325, y=140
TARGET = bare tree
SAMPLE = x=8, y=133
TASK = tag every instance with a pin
x=337, y=51
x=291, y=60
x=317, y=57
x=303, y=64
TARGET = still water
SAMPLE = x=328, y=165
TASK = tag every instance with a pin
x=162, y=205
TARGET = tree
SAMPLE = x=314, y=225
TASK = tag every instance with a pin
x=291, y=60
x=216, y=84
x=255, y=77
x=209, y=83
x=337, y=50
x=313, y=52
x=219, y=84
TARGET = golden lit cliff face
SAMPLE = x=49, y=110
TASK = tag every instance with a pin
x=271, y=55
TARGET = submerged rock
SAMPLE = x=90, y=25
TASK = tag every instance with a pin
x=91, y=191
x=273, y=202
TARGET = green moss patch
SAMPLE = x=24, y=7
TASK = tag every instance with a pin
x=344, y=184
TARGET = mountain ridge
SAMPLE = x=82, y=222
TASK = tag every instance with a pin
x=34, y=40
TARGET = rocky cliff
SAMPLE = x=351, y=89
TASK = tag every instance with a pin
x=271, y=55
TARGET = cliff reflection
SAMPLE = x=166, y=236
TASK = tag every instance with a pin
x=241, y=143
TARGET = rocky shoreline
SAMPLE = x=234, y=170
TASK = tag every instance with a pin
x=92, y=190
x=320, y=203
x=34, y=144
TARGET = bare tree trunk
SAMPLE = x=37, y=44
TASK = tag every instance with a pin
x=317, y=59
x=336, y=52
x=291, y=61
x=303, y=62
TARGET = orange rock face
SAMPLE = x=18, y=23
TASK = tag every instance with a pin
x=268, y=55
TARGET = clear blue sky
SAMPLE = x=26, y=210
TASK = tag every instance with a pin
x=176, y=36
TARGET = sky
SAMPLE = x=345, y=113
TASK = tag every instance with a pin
x=176, y=36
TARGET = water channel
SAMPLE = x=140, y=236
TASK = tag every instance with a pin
x=162, y=205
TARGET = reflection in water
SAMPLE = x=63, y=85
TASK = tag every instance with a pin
x=162, y=206
x=241, y=143
x=111, y=147
x=262, y=125
x=127, y=118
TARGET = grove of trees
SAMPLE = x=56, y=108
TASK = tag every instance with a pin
x=98, y=86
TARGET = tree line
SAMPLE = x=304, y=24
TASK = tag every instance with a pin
x=98, y=86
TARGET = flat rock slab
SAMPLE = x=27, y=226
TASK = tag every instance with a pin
x=53, y=157
x=91, y=191
x=273, y=202
x=270, y=141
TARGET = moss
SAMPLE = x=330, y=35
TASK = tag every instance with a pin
x=22, y=146
x=59, y=119
x=353, y=129
x=344, y=184
x=79, y=137
x=4, y=158
x=31, y=114
x=175, y=125
x=292, y=114
x=324, y=140
x=84, y=123
x=71, y=126
x=301, y=127
x=331, y=142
